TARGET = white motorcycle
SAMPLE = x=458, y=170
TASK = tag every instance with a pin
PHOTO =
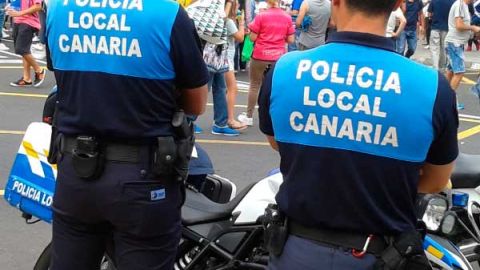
x=223, y=229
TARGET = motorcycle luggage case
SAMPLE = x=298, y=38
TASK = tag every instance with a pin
x=31, y=183
x=218, y=189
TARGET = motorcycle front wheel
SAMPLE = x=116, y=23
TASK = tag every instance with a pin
x=43, y=262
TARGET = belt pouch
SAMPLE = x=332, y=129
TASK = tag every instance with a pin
x=165, y=156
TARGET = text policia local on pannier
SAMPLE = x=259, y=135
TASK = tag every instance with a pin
x=363, y=77
x=100, y=44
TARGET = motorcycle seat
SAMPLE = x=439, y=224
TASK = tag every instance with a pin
x=467, y=171
x=198, y=209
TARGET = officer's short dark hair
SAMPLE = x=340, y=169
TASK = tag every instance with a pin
x=372, y=7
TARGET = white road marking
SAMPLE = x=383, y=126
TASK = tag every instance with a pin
x=469, y=116
x=10, y=61
x=18, y=56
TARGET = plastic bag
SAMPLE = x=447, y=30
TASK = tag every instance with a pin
x=307, y=21
x=476, y=88
x=247, y=49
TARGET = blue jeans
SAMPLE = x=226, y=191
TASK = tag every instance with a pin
x=218, y=86
x=409, y=37
x=400, y=43
x=293, y=46
x=2, y=18
x=455, y=58
x=304, y=254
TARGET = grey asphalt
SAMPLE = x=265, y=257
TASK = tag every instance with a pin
x=233, y=158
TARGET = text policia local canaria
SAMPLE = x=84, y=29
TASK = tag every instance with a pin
x=363, y=77
x=101, y=44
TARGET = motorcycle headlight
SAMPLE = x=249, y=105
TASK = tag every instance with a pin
x=434, y=212
x=448, y=223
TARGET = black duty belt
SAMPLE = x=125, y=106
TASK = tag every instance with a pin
x=113, y=151
x=359, y=243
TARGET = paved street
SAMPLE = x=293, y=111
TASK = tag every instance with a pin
x=242, y=159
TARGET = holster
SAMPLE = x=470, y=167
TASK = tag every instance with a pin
x=173, y=153
x=275, y=225
x=405, y=252
x=88, y=159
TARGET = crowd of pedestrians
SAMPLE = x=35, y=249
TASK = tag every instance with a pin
x=276, y=27
x=448, y=28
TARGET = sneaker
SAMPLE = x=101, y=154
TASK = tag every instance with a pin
x=35, y=39
x=216, y=130
x=245, y=120
x=426, y=47
x=39, y=78
x=20, y=83
x=460, y=106
x=4, y=34
x=3, y=47
x=197, y=129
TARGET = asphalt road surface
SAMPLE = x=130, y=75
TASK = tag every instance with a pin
x=242, y=159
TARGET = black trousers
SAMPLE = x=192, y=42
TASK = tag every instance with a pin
x=127, y=207
x=239, y=64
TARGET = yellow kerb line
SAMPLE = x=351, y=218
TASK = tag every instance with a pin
x=12, y=132
x=462, y=135
x=469, y=132
x=15, y=67
x=468, y=81
x=22, y=95
x=16, y=132
x=232, y=142
x=45, y=96
x=469, y=120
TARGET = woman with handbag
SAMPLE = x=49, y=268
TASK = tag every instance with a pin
x=210, y=20
x=271, y=31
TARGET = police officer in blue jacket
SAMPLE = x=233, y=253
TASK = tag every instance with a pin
x=123, y=68
x=360, y=130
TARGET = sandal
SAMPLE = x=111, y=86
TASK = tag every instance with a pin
x=237, y=125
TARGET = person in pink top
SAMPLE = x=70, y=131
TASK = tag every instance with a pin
x=26, y=24
x=271, y=31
